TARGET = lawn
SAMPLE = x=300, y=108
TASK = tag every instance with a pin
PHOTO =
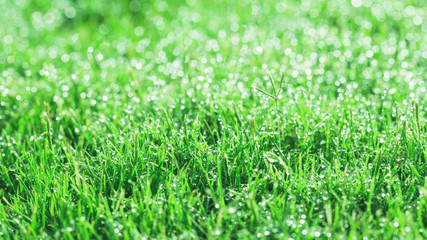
x=225, y=119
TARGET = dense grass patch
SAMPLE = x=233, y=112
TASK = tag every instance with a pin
x=213, y=119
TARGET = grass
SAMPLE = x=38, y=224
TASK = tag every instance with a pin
x=213, y=119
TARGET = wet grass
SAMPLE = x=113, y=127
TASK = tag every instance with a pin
x=213, y=120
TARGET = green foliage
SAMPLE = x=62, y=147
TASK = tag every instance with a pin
x=213, y=119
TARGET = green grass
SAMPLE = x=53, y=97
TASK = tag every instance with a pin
x=213, y=119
